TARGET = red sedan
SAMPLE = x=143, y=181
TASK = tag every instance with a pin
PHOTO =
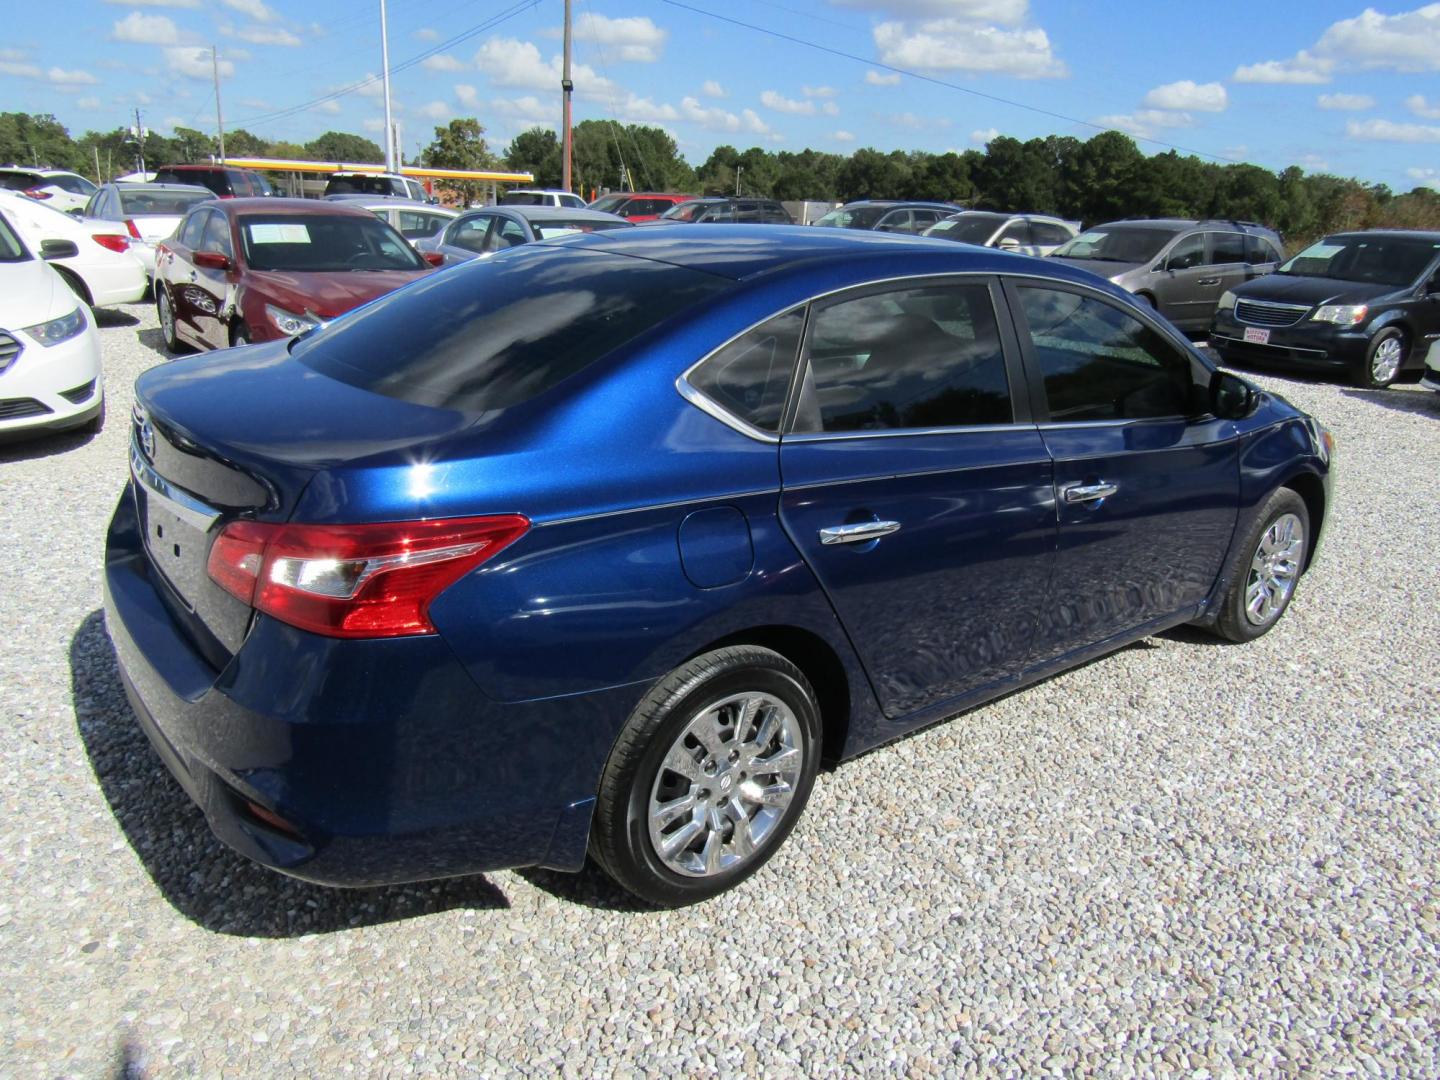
x=248, y=270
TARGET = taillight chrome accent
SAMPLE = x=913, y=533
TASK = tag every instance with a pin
x=355, y=581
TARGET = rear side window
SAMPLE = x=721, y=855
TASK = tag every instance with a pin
x=912, y=358
x=750, y=377
x=414, y=224
x=1047, y=234
x=1260, y=250
x=1227, y=247
x=515, y=325
x=1100, y=363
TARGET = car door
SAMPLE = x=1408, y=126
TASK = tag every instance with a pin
x=1261, y=256
x=896, y=221
x=1186, y=288
x=918, y=489
x=1227, y=263
x=1147, y=481
x=173, y=266
x=211, y=286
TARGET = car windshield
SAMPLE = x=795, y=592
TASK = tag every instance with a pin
x=1371, y=258
x=967, y=228
x=687, y=211
x=514, y=325
x=524, y=198
x=154, y=203
x=360, y=185
x=608, y=203
x=11, y=249
x=323, y=243
x=1116, y=245
x=545, y=230
x=859, y=217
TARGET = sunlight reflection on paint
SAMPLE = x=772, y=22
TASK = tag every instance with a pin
x=422, y=480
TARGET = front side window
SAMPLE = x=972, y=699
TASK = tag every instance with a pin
x=217, y=235
x=895, y=221
x=507, y=234
x=1018, y=231
x=750, y=377
x=1047, y=233
x=1188, y=252
x=193, y=230
x=911, y=358
x=469, y=233
x=1101, y=363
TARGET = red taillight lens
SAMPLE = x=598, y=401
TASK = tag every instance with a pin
x=355, y=581
x=113, y=241
x=37, y=193
x=130, y=226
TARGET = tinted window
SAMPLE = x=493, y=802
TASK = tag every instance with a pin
x=1227, y=247
x=1188, y=252
x=1117, y=245
x=1260, y=250
x=1368, y=257
x=146, y=202
x=690, y=211
x=1100, y=363
x=751, y=376
x=1046, y=233
x=1019, y=231
x=18, y=181
x=913, y=358
x=525, y=198
x=321, y=242
x=967, y=228
x=76, y=185
x=514, y=325
x=608, y=203
x=895, y=221
x=193, y=230
x=217, y=235
x=11, y=249
x=469, y=233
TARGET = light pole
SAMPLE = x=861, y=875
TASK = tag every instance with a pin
x=738, y=170
x=219, y=120
x=385, y=65
x=566, y=87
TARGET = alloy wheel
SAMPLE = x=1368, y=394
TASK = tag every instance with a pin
x=1274, y=569
x=1385, y=363
x=167, y=316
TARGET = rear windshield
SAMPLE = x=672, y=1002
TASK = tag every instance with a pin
x=524, y=198
x=1373, y=258
x=969, y=228
x=514, y=325
x=608, y=203
x=544, y=230
x=363, y=185
x=1117, y=245
x=688, y=211
x=320, y=242
x=214, y=179
x=862, y=217
x=150, y=203
x=11, y=181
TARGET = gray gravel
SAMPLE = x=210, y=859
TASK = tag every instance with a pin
x=1186, y=857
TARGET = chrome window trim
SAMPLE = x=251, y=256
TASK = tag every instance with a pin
x=673, y=504
x=892, y=433
x=176, y=500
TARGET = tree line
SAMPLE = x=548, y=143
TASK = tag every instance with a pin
x=1094, y=180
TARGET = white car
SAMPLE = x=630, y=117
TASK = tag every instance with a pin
x=540, y=197
x=413, y=220
x=1431, y=378
x=102, y=270
x=49, y=350
x=1029, y=234
x=63, y=190
x=147, y=212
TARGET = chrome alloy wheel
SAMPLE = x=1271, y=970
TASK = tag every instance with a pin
x=1385, y=364
x=725, y=784
x=167, y=316
x=1274, y=569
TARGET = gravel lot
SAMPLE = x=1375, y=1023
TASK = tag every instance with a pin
x=1185, y=857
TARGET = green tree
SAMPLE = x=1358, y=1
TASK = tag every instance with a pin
x=342, y=146
x=536, y=151
x=460, y=144
x=37, y=139
x=1103, y=177
x=192, y=145
x=869, y=174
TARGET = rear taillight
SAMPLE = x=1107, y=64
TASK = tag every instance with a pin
x=37, y=193
x=130, y=226
x=113, y=241
x=355, y=581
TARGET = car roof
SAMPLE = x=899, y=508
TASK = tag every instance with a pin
x=732, y=251
x=290, y=207
x=130, y=189
x=901, y=203
x=547, y=213
x=1404, y=234
x=650, y=195
x=37, y=171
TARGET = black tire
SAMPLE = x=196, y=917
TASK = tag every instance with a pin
x=163, y=303
x=1365, y=375
x=620, y=838
x=239, y=335
x=1235, y=621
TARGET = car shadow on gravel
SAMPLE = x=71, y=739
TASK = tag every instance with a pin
x=154, y=338
x=106, y=317
x=201, y=878
x=33, y=447
x=1424, y=403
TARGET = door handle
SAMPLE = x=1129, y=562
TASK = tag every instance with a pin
x=1208, y=281
x=1078, y=493
x=857, y=533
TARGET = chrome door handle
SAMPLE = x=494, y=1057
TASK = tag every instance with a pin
x=1078, y=493
x=1208, y=281
x=858, y=533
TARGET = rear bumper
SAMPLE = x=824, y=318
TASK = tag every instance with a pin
x=383, y=757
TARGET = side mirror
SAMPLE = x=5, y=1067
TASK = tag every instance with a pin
x=58, y=249
x=1008, y=242
x=213, y=260
x=1231, y=397
x=434, y=258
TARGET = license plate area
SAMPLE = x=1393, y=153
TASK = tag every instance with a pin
x=176, y=548
x=1257, y=336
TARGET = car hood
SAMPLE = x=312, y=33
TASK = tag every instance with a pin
x=1294, y=289
x=326, y=293
x=30, y=293
x=1101, y=267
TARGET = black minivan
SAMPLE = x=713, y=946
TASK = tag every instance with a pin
x=1367, y=303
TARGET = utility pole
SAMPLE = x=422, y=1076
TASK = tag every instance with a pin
x=385, y=64
x=140, y=141
x=219, y=120
x=738, y=170
x=566, y=87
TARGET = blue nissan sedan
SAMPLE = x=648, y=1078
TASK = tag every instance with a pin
x=601, y=546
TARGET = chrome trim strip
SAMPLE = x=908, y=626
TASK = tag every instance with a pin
x=893, y=433
x=909, y=475
x=672, y=505
x=711, y=408
x=181, y=503
x=859, y=533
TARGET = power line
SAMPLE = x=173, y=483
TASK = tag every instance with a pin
x=937, y=82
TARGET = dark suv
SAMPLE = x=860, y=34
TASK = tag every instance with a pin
x=1367, y=303
x=887, y=215
x=225, y=181
x=735, y=211
x=1181, y=268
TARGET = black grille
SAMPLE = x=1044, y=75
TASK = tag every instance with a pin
x=9, y=350
x=15, y=408
x=80, y=393
x=1259, y=313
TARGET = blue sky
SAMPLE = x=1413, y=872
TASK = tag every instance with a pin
x=1329, y=86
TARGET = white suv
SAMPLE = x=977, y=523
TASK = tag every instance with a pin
x=537, y=197
x=63, y=190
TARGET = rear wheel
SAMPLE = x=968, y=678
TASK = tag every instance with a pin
x=165, y=312
x=1274, y=554
x=1383, y=360
x=708, y=777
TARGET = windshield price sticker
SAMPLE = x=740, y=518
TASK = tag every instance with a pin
x=279, y=234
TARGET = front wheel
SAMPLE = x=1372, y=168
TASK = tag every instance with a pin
x=1383, y=360
x=1274, y=551
x=708, y=777
x=165, y=312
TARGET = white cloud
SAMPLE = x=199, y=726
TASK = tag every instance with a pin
x=329, y=108
x=426, y=34
x=156, y=3
x=442, y=62
x=1187, y=94
x=12, y=54
x=771, y=100
x=1314, y=163
x=634, y=39
x=1345, y=102
x=141, y=29
x=1303, y=69
x=1427, y=177
x=524, y=108
x=751, y=122
x=819, y=91
x=842, y=136
x=467, y=95
x=435, y=110
x=373, y=123
x=1420, y=106
x=193, y=61
x=875, y=78
x=956, y=45
x=373, y=87
x=142, y=98
x=512, y=63
x=1389, y=131
x=984, y=135
x=1145, y=122
x=27, y=71
x=263, y=35
x=713, y=89
x=1004, y=12
x=60, y=77
x=256, y=9
x=710, y=118
x=88, y=103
